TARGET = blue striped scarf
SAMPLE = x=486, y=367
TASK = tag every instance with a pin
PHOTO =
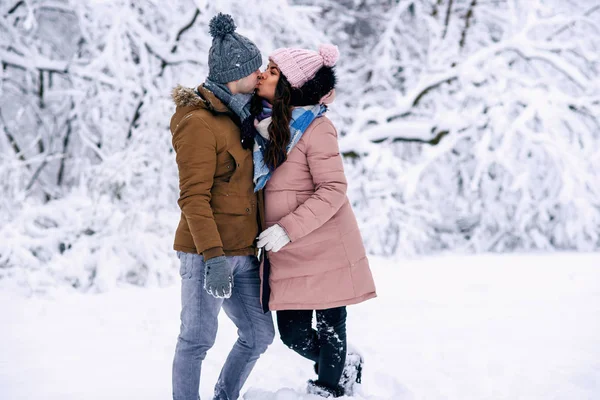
x=302, y=117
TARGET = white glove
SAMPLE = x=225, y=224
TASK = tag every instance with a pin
x=273, y=239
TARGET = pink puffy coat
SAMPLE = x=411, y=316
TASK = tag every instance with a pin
x=325, y=264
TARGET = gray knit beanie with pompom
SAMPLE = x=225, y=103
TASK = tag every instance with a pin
x=231, y=56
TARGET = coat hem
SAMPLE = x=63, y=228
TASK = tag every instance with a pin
x=248, y=251
x=321, y=306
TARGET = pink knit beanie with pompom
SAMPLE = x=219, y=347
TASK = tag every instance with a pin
x=300, y=65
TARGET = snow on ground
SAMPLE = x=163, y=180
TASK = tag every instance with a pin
x=453, y=327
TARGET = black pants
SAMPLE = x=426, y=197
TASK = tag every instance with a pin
x=326, y=346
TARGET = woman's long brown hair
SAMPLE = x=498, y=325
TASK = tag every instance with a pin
x=279, y=128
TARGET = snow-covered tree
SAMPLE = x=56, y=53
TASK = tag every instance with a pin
x=475, y=124
x=467, y=125
x=88, y=175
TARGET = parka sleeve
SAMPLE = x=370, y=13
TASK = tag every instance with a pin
x=196, y=148
x=327, y=171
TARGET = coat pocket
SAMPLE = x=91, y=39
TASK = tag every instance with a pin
x=236, y=220
x=231, y=204
x=240, y=165
x=225, y=167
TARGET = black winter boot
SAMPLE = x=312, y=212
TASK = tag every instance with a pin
x=317, y=388
x=352, y=374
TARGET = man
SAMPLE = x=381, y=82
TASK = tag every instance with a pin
x=218, y=226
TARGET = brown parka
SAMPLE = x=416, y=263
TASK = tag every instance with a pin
x=216, y=192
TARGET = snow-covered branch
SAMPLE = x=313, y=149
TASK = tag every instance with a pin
x=468, y=125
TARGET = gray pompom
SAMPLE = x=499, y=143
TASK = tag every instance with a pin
x=221, y=24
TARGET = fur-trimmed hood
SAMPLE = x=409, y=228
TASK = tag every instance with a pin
x=197, y=98
x=186, y=97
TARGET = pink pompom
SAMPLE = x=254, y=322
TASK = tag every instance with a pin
x=330, y=54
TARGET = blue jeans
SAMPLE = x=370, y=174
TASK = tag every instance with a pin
x=199, y=311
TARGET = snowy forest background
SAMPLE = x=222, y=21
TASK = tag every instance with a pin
x=467, y=125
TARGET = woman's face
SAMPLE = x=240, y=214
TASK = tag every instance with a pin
x=267, y=82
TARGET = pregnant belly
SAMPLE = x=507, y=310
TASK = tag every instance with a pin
x=278, y=204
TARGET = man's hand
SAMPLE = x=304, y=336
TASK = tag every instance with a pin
x=273, y=239
x=218, y=278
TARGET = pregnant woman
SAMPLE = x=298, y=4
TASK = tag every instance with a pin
x=317, y=260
